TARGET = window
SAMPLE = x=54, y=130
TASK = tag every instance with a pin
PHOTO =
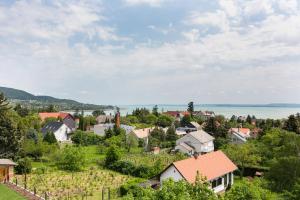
x=216, y=182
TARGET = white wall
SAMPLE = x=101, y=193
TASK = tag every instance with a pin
x=61, y=134
x=171, y=172
x=199, y=147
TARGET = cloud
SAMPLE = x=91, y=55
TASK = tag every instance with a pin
x=153, y=3
x=73, y=49
x=216, y=19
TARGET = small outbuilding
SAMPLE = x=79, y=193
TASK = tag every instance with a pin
x=6, y=170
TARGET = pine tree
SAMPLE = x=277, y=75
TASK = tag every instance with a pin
x=50, y=138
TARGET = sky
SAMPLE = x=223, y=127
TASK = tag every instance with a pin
x=122, y=52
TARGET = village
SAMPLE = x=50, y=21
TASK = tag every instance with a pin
x=103, y=156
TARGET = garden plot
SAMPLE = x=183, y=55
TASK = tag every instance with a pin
x=61, y=185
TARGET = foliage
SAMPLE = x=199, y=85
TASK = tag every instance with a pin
x=293, y=123
x=85, y=138
x=151, y=119
x=185, y=121
x=131, y=142
x=191, y=108
x=96, y=113
x=164, y=121
x=244, y=155
x=249, y=191
x=284, y=173
x=155, y=111
x=70, y=158
x=24, y=166
x=50, y=138
x=171, y=134
x=10, y=134
x=112, y=156
x=22, y=111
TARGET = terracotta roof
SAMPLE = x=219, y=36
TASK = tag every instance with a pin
x=142, y=133
x=211, y=165
x=245, y=132
x=7, y=162
x=177, y=113
x=45, y=115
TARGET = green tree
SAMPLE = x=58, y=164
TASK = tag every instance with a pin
x=22, y=111
x=292, y=124
x=50, y=138
x=211, y=126
x=284, y=173
x=112, y=156
x=70, y=158
x=246, y=190
x=185, y=121
x=164, y=121
x=191, y=108
x=10, y=134
x=171, y=134
x=131, y=142
x=151, y=119
x=24, y=166
x=244, y=155
x=155, y=111
x=96, y=113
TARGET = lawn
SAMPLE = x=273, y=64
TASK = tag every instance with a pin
x=8, y=194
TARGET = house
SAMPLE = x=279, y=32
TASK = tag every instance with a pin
x=66, y=118
x=99, y=129
x=177, y=114
x=195, y=142
x=142, y=134
x=6, y=170
x=102, y=119
x=204, y=114
x=60, y=130
x=215, y=167
x=192, y=126
x=239, y=135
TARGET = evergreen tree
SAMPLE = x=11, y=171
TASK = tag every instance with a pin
x=155, y=111
x=112, y=156
x=292, y=124
x=50, y=138
x=171, y=134
x=191, y=108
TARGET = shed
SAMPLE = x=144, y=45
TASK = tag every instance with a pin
x=6, y=170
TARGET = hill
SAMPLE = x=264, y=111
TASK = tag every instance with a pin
x=29, y=100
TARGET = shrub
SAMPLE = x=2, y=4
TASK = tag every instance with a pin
x=70, y=158
x=50, y=138
x=85, y=139
x=24, y=166
x=112, y=155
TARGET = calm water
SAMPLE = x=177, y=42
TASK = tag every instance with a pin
x=227, y=111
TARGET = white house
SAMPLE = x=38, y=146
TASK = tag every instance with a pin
x=195, y=142
x=60, y=130
x=239, y=135
x=216, y=167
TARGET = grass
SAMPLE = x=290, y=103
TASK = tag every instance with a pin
x=8, y=194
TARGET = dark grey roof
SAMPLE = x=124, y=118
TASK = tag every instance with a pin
x=202, y=136
x=51, y=127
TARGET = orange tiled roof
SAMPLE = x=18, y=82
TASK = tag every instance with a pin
x=45, y=115
x=211, y=165
x=244, y=131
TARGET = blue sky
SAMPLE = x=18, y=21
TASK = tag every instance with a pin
x=153, y=51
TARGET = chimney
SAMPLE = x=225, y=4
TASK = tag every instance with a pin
x=117, y=120
x=196, y=155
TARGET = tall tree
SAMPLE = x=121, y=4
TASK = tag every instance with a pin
x=292, y=124
x=191, y=108
x=155, y=111
x=10, y=135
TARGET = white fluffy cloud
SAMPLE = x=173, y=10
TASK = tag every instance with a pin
x=241, y=62
x=148, y=2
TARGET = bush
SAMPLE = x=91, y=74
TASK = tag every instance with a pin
x=50, y=138
x=24, y=166
x=85, y=139
x=70, y=158
x=112, y=156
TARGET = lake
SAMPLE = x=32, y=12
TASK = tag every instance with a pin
x=260, y=111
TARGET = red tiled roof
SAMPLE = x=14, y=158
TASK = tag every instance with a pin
x=211, y=165
x=244, y=131
x=45, y=115
x=176, y=113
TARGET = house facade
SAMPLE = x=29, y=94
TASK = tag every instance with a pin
x=195, y=142
x=99, y=129
x=215, y=167
x=6, y=170
x=60, y=130
x=239, y=135
x=66, y=118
